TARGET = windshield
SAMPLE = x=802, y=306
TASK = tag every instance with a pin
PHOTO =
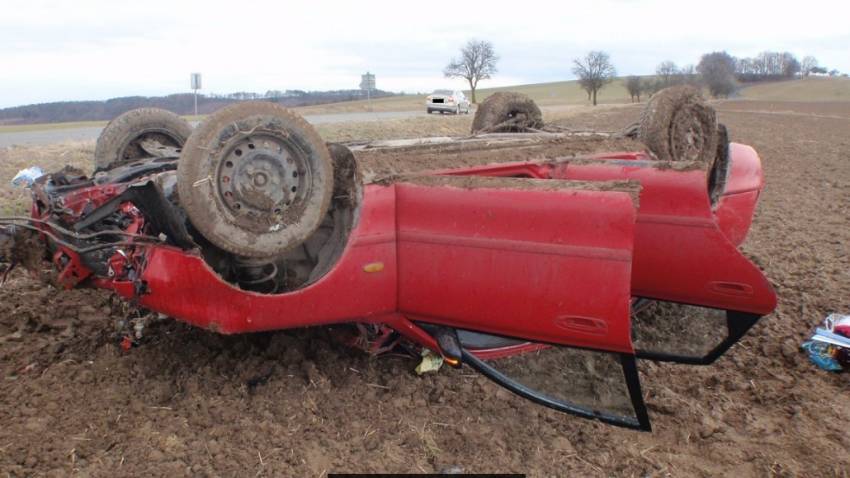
x=442, y=92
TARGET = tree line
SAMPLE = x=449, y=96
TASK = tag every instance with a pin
x=719, y=71
x=182, y=104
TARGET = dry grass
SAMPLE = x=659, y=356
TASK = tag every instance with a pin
x=393, y=129
x=560, y=94
x=810, y=89
x=15, y=200
x=390, y=103
x=19, y=128
x=79, y=154
x=564, y=93
x=556, y=93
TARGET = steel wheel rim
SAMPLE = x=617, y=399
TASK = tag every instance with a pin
x=262, y=181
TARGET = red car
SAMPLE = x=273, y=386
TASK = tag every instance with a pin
x=257, y=225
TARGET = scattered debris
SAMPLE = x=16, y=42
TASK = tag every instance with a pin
x=27, y=176
x=829, y=346
x=452, y=470
x=431, y=362
x=126, y=343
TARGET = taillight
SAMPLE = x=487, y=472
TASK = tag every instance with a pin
x=450, y=99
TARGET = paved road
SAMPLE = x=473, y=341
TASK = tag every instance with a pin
x=59, y=135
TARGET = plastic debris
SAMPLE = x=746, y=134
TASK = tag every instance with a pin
x=829, y=346
x=126, y=343
x=431, y=362
x=839, y=324
x=27, y=176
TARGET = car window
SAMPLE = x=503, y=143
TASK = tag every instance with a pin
x=442, y=92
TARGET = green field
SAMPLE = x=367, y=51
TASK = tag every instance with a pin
x=810, y=89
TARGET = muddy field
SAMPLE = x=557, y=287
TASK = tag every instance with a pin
x=189, y=402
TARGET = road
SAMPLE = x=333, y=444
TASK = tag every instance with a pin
x=59, y=135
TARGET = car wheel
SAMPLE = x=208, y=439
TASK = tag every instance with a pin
x=507, y=112
x=677, y=125
x=120, y=142
x=255, y=179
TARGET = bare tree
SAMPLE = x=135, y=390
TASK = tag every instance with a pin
x=634, y=85
x=767, y=65
x=789, y=65
x=809, y=64
x=594, y=71
x=718, y=72
x=477, y=62
x=687, y=75
x=666, y=72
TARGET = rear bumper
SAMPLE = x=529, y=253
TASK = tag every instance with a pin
x=442, y=106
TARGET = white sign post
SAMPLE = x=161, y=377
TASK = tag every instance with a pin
x=196, y=85
x=367, y=82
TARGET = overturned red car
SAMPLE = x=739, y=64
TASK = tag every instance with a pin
x=514, y=250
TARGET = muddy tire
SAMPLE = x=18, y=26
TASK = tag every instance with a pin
x=255, y=179
x=677, y=125
x=717, y=174
x=507, y=112
x=119, y=142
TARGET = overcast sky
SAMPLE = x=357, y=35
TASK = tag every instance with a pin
x=93, y=49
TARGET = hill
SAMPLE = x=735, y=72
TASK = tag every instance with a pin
x=809, y=89
x=183, y=104
x=561, y=92
x=545, y=94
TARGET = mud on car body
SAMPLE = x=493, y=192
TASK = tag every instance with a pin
x=528, y=258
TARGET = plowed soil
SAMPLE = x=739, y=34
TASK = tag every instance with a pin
x=188, y=402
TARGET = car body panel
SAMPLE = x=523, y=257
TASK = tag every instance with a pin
x=683, y=246
x=486, y=263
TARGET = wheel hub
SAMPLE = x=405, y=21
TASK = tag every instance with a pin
x=261, y=178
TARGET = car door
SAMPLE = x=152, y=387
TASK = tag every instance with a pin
x=544, y=264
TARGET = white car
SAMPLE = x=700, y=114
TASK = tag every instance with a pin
x=447, y=101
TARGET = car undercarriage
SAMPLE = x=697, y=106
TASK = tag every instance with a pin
x=519, y=250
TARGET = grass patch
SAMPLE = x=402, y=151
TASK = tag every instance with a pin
x=556, y=93
x=20, y=128
x=14, y=200
x=563, y=92
x=80, y=154
x=810, y=89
